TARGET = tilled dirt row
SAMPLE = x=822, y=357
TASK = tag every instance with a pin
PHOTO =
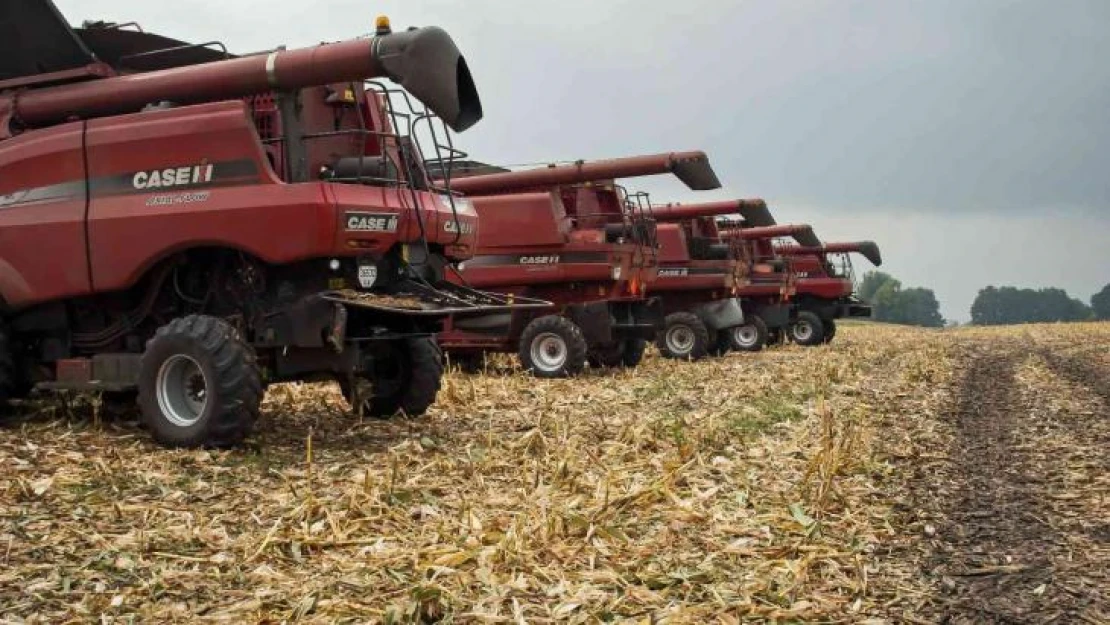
x=1013, y=537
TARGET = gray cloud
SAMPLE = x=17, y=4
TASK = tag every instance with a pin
x=971, y=121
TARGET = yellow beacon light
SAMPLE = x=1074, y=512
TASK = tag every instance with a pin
x=381, y=25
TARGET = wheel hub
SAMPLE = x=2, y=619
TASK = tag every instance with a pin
x=680, y=339
x=549, y=351
x=803, y=331
x=181, y=390
x=746, y=336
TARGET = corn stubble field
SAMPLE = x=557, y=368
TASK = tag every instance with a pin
x=898, y=475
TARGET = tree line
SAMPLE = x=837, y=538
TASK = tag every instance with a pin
x=915, y=306
x=1007, y=304
x=992, y=306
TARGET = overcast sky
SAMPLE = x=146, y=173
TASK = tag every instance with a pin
x=969, y=138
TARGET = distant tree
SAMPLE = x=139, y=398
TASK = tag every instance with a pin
x=872, y=281
x=1006, y=305
x=1100, y=303
x=985, y=309
x=921, y=308
x=886, y=303
x=893, y=304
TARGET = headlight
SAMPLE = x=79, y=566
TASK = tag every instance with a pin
x=616, y=272
x=462, y=205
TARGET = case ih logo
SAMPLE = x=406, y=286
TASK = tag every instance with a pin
x=173, y=177
x=673, y=273
x=539, y=260
x=371, y=222
x=460, y=227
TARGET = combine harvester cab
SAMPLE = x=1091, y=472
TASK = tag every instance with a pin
x=187, y=225
x=570, y=235
x=825, y=287
x=699, y=276
x=767, y=295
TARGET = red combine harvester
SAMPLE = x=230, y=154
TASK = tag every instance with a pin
x=824, y=287
x=699, y=276
x=767, y=295
x=570, y=235
x=188, y=226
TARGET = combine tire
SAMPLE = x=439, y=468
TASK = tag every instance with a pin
x=684, y=337
x=750, y=337
x=468, y=362
x=633, y=352
x=830, y=330
x=199, y=384
x=553, y=347
x=720, y=344
x=606, y=356
x=404, y=381
x=627, y=353
x=807, y=329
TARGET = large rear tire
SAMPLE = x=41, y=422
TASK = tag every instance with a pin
x=684, y=337
x=807, y=329
x=633, y=353
x=626, y=353
x=606, y=356
x=199, y=385
x=720, y=343
x=468, y=362
x=553, y=347
x=751, y=336
x=830, y=330
x=404, y=381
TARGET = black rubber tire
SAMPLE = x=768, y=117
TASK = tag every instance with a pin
x=233, y=382
x=699, y=346
x=468, y=362
x=830, y=330
x=419, y=363
x=9, y=375
x=757, y=328
x=573, y=344
x=720, y=344
x=633, y=353
x=606, y=356
x=807, y=329
x=627, y=354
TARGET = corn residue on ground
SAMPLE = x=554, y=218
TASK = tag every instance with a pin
x=895, y=475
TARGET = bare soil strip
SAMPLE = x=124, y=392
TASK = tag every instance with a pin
x=1004, y=552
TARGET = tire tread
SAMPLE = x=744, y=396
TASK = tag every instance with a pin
x=237, y=383
x=577, y=348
